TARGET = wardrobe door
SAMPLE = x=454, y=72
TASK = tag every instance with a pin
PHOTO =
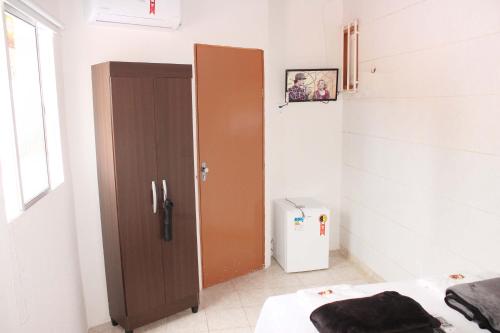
x=139, y=228
x=174, y=131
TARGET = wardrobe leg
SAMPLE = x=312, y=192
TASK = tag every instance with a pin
x=113, y=322
x=194, y=309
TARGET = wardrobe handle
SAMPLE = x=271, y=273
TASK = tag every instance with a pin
x=164, y=184
x=155, y=199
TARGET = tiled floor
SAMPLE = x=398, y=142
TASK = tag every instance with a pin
x=234, y=306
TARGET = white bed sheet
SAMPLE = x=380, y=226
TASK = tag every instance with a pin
x=288, y=313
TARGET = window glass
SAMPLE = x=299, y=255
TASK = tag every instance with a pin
x=47, y=60
x=27, y=107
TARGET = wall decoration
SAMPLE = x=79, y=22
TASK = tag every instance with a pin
x=311, y=85
x=350, y=72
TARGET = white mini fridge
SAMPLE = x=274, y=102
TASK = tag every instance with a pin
x=301, y=235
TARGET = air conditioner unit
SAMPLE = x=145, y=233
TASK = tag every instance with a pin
x=154, y=13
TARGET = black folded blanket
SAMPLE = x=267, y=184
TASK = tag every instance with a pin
x=478, y=301
x=387, y=312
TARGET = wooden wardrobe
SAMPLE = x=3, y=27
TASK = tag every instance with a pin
x=144, y=143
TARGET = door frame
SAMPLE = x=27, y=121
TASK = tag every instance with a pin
x=198, y=160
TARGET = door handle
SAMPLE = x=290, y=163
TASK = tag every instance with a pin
x=204, y=171
x=155, y=199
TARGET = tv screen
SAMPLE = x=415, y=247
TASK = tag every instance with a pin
x=311, y=85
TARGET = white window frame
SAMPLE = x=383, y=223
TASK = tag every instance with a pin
x=20, y=15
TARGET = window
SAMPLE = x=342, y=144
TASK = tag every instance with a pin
x=29, y=123
x=31, y=152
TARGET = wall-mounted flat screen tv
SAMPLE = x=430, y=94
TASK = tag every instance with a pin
x=312, y=85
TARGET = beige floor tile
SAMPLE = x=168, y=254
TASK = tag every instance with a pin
x=252, y=314
x=234, y=306
x=346, y=276
x=187, y=322
x=315, y=278
x=352, y=275
x=274, y=268
x=255, y=297
x=228, y=285
x=245, y=282
x=235, y=330
x=106, y=328
x=220, y=319
x=338, y=263
x=364, y=281
x=267, y=281
x=286, y=290
x=156, y=327
x=217, y=297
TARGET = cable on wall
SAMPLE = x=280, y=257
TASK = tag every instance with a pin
x=297, y=206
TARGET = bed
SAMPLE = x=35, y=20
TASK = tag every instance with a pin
x=290, y=313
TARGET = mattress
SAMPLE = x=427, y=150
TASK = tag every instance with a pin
x=290, y=313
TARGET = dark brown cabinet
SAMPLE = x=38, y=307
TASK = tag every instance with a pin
x=144, y=146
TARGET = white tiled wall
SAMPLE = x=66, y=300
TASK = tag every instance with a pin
x=421, y=138
x=304, y=139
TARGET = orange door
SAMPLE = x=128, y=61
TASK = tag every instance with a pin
x=230, y=85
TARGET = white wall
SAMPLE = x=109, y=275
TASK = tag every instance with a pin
x=421, y=162
x=7, y=295
x=305, y=140
x=40, y=283
x=221, y=22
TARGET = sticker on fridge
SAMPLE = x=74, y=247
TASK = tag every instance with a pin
x=298, y=223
